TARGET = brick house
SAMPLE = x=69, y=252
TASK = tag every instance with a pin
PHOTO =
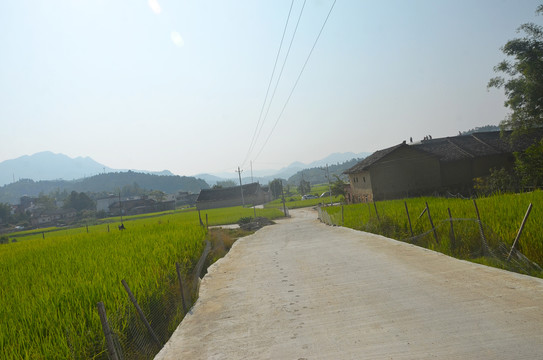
x=434, y=165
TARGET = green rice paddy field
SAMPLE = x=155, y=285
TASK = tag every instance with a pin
x=501, y=216
x=50, y=287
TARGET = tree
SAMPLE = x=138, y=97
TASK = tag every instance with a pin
x=499, y=181
x=226, y=184
x=132, y=190
x=5, y=213
x=338, y=186
x=529, y=165
x=522, y=78
x=46, y=202
x=276, y=188
x=78, y=201
x=157, y=195
x=304, y=187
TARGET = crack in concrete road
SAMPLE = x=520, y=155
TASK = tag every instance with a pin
x=304, y=290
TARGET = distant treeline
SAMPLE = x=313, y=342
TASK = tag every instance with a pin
x=102, y=184
x=481, y=129
x=317, y=175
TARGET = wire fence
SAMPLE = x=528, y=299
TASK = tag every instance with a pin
x=140, y=327
x=462, y=238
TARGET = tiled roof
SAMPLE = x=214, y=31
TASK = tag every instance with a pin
x=373, y=158
x=460, y=147
x=227, y=193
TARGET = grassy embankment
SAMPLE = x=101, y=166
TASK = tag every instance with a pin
x=501, y=216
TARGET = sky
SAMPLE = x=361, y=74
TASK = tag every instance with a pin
x=182, y=85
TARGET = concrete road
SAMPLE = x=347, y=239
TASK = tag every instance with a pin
x=304, y=290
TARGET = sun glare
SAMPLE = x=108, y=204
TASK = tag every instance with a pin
x=177, y=39
x=155, y=6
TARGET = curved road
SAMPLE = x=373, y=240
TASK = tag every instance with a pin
x=304, y=290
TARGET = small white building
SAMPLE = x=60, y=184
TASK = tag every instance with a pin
x=104, y=203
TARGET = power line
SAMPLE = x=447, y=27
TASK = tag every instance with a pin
x=297, y=80
x=253, y=140
x=282, y=68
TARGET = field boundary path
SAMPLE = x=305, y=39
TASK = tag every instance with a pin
x=304, y=290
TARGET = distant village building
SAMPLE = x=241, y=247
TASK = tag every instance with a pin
x=27, y=201
x=53, y=217
x=434, y=165
x=184, y=198
x=140, y=206
x=253, y=194
x=103, y=204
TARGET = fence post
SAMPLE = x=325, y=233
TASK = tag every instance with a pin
x=200, y=264
x=43, y=235
x=483, y=238
x=376, y=213
x=107, y=227
x=520, y=231
x=342, y=217
x=207, y=223
x=177, y=267
x=200, y=218
x=408, y=219
x=453, y=239
x=112, y=353
x=87, y=225
x=140, y=312
x=422, y=213
x=432, y=223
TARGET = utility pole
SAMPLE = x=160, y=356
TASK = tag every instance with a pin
x=121, y=211
x=283, y=198
x=252, y=181
x=302, y=184
x=329, y=186
x=239, y=171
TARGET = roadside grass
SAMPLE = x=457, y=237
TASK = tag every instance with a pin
x=50, y=287
x=231, y=215
x=221, y=242
x=501, y=216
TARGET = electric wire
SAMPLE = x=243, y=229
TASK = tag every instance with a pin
x=253, y=140
x=282, y=69
x=297, y=80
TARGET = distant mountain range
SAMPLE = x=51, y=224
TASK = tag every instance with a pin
x=265, y=176
x=50, y=166
x=46, y=172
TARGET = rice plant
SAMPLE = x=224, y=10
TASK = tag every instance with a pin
x=50, y=287
x=501, y=216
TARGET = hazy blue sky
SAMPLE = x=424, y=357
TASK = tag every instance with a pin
x=179, y=85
